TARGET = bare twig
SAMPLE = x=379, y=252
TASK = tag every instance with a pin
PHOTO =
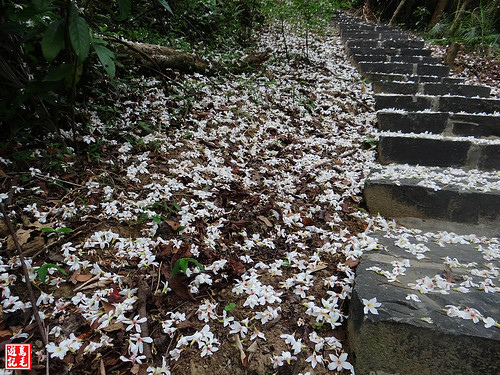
x=142, y=296
x=29, y=289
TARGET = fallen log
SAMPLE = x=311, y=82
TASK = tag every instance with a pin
x=162, y=58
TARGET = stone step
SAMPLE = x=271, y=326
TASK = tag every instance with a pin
x=440, y=122
x=388, y=77
x=419, y=337
x=413, y=103
x=381, y=35
x=395, y=58
x=389, y=51
x=415, y=44
x=430, y=89
x=404, y=68
x=447, y=194
x=366, y=27
x=441, y=151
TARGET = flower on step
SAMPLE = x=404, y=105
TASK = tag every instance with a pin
x=371, y=305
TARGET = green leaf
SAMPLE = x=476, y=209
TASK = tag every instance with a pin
x=64, y=230
x=42, y=270
x=182, y=264
x=232, y=305
x=124, y=7
x=79, y=34
x=53, y=40
x=106, y=57
x=58, y=73
x=47, y=230
x=166, y=6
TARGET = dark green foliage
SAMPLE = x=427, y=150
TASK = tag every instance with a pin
x=476, y=29
x=51, y=41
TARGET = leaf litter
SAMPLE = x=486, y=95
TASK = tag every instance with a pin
x=258, y=177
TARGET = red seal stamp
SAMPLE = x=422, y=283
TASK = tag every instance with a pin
x=18, y=356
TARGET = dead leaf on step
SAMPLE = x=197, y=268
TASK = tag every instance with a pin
x=449, y=276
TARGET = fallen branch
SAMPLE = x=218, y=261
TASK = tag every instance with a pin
x=29, y=289
x=161, y=57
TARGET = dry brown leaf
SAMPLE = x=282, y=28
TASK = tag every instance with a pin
x=173, y=224
x=243, y=356
x=82, y=278
x=180, y=288
x=5, y=334
x=319, y=267
x=2, y=173
x=352, y=262
x=114, y=327
x=99, y=284
x=102, y=369
x=307, y=221
x=23, y=235
x=107, y=306
x=34, y=245
x=237, y=267
x=265, y=220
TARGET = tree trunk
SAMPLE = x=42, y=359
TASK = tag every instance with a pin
x=451, y=54
x=438, y=12
x=397, y=11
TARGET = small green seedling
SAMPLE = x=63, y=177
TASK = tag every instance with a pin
x=42, y=271
x=182, y=264
x=369, y=143
x=229, y=307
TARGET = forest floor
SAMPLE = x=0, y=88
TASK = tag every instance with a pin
x=252, y=180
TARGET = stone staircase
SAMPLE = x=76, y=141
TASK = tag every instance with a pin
x=439, y=156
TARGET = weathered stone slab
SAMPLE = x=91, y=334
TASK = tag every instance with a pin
x=395, y=58
x=409, y=88
x=476, y=125
x=405, y=102
x=387, y=77
x=472, y=105
x=371, y=34
x=413, y=122
x=400, y=339
x=460, y=90
x=389, y=43
x=437, y=103
x=404, y=68
x=440, y=122
x=454, y=195
x=423, y=151
x=389, y=51
x=446, y=152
